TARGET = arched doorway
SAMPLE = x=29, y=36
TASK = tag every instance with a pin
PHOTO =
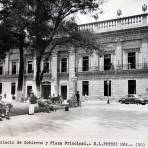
x=46, y=89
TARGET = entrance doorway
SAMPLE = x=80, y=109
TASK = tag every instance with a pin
x=64, y=91
x=131, y=86
x=46, y=90
x=29, y=89
x=107, y=88
x=85, y=88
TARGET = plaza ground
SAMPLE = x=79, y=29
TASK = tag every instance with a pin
x=93, y=119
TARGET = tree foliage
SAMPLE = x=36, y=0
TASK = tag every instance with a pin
x=53, y=24
x=47, y=24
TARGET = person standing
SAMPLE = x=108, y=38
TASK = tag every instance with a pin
x=32, y=100
x=78, y=98
x=2, y=108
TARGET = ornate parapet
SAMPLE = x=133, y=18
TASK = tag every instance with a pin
x=117, y=24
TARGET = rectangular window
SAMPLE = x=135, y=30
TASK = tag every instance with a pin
x=131, y=86
x=64, y=65
x=13, y=67
x=0, y=88
x=107, y=88
x=131, y=60
x=12, y=88
x=30, y=67
x=85, y=63
x=107, y=62
x=85, y=88
x=46, y=67
x=1, y=70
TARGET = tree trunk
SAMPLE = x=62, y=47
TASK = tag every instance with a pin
x=37, y=77
x=21, y=68
x=21, y=75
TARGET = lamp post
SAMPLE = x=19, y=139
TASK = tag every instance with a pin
x=108, y=102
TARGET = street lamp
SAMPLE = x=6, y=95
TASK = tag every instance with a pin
x=108, y=102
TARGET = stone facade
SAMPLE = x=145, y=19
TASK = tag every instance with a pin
x=123, y=68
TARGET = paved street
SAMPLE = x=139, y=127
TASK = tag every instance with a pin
x=93, y=119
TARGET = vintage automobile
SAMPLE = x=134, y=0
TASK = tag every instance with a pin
x=132, y=99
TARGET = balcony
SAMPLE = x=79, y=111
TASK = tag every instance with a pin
x=115, y=69
x=117, y=24
x=63, y=73
x=9, y=74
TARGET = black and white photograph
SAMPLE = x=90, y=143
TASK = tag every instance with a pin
x=74, y=73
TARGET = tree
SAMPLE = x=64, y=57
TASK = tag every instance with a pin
x=14, y=21
x=45, y=24
x=51, y=26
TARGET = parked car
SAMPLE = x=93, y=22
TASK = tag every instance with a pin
x=132, y=99
x=145, y=99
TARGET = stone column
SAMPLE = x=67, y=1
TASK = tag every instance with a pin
x=95, y=61
x=6, y=65
x=34, y=87
x=144, y=54
x=54, y=82
x=72, y=76
x=144, y=19
x=34, y=67
x=118, y=56
x=119, y=24
x=144, y=50
x=125, y=60
x=101, y=63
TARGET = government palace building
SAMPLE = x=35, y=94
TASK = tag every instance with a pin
x=121, y=70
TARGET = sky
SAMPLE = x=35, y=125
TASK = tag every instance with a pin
x=110, y=7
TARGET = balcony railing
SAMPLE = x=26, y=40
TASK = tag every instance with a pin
x=128, y=67
x=10, y=73
x=117, y=24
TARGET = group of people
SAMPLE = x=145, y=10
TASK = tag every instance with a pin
x=5, y=107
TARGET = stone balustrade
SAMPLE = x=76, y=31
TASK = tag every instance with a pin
x=117, y=24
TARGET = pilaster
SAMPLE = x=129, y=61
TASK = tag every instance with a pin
x=54, y=82
x=72, y=76
x=118, y=55
x=144, y=51
x=6, y=64
x=101, y=63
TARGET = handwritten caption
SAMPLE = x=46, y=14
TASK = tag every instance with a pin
x=68, y=143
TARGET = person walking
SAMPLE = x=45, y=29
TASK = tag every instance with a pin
x=32, y=100
x=78, y=98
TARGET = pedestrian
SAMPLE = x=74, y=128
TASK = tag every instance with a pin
x=32, y=100
x=78, y=98
x=2, y=108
